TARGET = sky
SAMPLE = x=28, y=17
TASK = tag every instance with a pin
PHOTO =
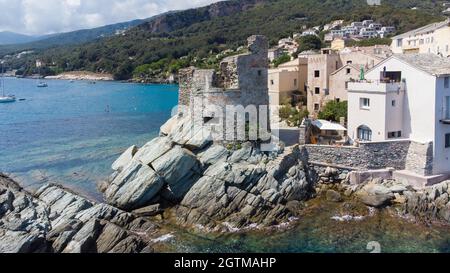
x=37, y=17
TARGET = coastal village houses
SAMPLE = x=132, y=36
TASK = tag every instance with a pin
x=406, y=96
x=330, y=71
x=288, y=81
x=433, y=38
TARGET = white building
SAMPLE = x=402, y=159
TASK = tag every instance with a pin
x=433, y=38
x=406, y=96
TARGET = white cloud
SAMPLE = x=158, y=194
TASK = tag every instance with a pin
x=51, y=16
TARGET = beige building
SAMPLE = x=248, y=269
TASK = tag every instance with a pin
x=329, y=72
x=433, y=38
x=288, y=82
x=338, y=44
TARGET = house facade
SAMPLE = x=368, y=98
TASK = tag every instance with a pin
x=405, y=97
x=433, y=38
x=329, y=72
x=288, y=82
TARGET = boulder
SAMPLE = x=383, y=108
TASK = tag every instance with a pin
x=376, y=201
x=333, y=196
x=168, y=127
x=134, y=187
x=398, y=189
x=124, y=159
x=175, y=164
x=153, y=150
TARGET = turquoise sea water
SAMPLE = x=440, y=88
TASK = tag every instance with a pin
x=70, y=133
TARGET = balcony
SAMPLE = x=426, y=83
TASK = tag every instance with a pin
x=376, y=86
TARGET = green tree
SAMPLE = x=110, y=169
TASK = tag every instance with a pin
x=281, y=60
x=309, y=42
x=334, y=110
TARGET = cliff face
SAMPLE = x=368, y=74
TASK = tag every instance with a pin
x=176, y=20
x=202, y=183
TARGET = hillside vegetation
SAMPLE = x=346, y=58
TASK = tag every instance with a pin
x=194, y=37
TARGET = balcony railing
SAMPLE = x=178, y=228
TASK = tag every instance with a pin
x=376, y=86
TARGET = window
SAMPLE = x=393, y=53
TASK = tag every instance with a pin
x=259, y=72
x=317, y=90
x=447, y=140
x=271, y=82
x=446, y=82
x=316, y=107
x=349, y=62
x=338, y=100
x=295, y=82
x=394, y=103
x=316, y=74
x=365, y=103
x=447, y=108
x=348, y=71
x=395, y=134
x=399, y=42
x=446, y=48
x=364, y=133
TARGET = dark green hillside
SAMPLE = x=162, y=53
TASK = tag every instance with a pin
x=155, y=47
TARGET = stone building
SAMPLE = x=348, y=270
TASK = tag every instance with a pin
x=241, y=80
x=329, y=72
x=288, y=82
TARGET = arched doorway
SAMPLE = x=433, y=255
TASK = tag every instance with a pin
x=364, y=133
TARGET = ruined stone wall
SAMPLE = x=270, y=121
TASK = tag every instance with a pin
x=185, y=78
x=241, y=81
x=399, y=155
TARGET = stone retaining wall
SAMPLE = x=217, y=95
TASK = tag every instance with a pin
x=400, y=155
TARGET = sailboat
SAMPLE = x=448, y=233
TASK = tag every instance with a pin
x=5, y=98
x=41, y=84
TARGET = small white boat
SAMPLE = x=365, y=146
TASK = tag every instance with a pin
x=6, y=99
x=42, y=84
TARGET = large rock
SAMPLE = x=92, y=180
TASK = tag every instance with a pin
x=377, y=201
x=175, y=164
x=153, y=150
x=333, y=196
x=124, y=159
x=134, y=187
x=57, y=220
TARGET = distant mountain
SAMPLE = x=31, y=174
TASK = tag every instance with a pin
x=168, y=42
x=18, y=42
x=8, y=38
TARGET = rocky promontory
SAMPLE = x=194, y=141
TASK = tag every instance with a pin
x=56, y=220
x=198, y=182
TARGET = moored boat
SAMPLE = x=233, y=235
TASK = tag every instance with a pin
x=6, y=99
x=42, y=84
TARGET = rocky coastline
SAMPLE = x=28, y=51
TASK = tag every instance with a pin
x=199, y=185
x=55, y=220
x=82, y=76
